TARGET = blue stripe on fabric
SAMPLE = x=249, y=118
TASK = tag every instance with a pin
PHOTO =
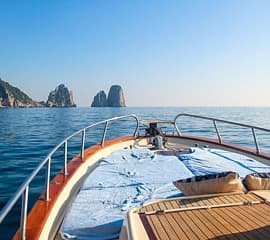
x=191, y=169
x=232, y=160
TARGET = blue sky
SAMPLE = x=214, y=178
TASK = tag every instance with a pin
x=163, y=53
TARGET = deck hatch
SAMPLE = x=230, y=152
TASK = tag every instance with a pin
x=228, y=219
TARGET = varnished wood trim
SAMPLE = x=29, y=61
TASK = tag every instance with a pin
x=148, y=228
x=225, y=144
x=247, y=221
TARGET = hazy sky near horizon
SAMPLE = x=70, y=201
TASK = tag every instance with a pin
x=163, y=53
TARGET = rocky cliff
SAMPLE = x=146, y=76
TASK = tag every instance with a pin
x=115, y=98
x=100, y=100
x=12, y=97
x=60, y=97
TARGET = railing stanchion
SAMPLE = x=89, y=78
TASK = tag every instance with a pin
x=65, y=157
x=136, y=132
x=255, y=140
x=176, y=128
x=82, y=146
x=104, y=133
x=217, y=131
x=47, y=197
x=24, y=214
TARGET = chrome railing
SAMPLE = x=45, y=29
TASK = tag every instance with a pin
x=24, y=188
x=215, y=121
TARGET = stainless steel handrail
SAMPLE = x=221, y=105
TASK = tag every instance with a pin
x=215, y=120
x=24, y=188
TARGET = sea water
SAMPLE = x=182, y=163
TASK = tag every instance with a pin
x=28, y=135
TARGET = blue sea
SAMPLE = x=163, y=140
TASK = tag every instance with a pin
x=28, y=135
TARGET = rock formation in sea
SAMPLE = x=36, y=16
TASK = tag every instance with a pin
x=115, y=98
x=12, y=97
x=100, y=100
x=60, y=97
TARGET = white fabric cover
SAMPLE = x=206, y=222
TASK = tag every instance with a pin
x=128, y=178
x=125, y=179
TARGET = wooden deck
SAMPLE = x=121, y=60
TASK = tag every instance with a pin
x=236, y=216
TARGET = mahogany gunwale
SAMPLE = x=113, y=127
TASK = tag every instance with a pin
x=42, y=209
x=236, y=147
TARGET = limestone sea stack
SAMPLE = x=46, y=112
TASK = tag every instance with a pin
x=12, y=97
x=60, y=97
x=100, y=100
x=116, y=97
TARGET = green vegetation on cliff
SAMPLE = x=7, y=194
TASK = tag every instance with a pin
x=13, y=97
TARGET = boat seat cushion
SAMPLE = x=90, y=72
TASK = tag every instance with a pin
x=211, y=183
x=257, y=181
